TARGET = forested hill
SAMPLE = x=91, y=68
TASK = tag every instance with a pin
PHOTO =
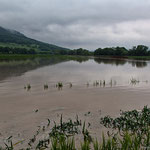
x=11, y=36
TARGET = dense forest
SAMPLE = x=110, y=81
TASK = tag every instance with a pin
x=8, y=50
x=140, y=50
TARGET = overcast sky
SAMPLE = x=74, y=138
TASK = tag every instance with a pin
x=80, y=23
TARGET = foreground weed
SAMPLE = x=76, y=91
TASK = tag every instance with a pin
x=132, y=127
x=62, y=143
x=134, y=121
x=85, y=145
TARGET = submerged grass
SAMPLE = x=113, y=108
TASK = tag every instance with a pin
x=96, y=83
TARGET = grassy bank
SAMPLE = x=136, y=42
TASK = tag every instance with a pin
x=139, y=57
x=129, y=131
x=30, y=56
x=26, y=56
x=20, y=56
x=126, y=57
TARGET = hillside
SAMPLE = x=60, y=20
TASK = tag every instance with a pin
x=12, y=38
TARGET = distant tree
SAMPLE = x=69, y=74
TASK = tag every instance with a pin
x=140, y=50
x=80, y=51
x=121, y=51
x=13, y=50
x=112, y=51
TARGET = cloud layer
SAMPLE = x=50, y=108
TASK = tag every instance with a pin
x=80, y=23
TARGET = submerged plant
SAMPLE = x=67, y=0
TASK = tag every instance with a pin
x=134, y=81
x=59, y=85
x=115, y=82
x=45, y=86
x=70, y=85
x=87, y=84
x=27, y=87
x=96, y=83
x=111, y=83
x=104, y=83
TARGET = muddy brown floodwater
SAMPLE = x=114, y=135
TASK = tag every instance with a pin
x=18, y=106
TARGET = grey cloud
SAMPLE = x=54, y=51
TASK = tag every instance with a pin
x=80, y=23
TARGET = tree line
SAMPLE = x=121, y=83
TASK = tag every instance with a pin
x=16, y=50
x=140, y=50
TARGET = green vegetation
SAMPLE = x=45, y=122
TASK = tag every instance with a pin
x=133, y=126
x=59, y=85
x=13, y=39
x=97, y=83
x=27, y=87
x=10, y=50
x=13, y=42
x=130, y=131
x=114, y=51
x=42, y=56
x=134, y=81
x=140, y=50
x=102, y=83
x=135, y=121
x=45, y=86
x=139, y=57
x=70, y=85
x=80, y=51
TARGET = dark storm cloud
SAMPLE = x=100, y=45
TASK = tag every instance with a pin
x=80, y=23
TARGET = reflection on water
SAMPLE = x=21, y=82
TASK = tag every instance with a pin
x=18, y=67
x=109, y=61
x=117, y=62
x=78, y=70
x=87, y=84
x=138, y=64
x=12, y=68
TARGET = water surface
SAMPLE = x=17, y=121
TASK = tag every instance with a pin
x=18, y=105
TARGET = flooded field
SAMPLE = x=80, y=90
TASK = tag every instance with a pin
x=100, y=86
